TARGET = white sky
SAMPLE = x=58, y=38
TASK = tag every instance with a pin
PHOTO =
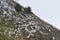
x=48, y=10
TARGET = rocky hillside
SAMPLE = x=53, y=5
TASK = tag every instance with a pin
x=20, y=23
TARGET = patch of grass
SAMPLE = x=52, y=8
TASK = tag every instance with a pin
x=3, y=37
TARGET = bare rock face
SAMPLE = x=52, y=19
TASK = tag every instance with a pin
x=19, y=23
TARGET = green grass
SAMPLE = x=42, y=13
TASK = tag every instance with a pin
x=3, y=37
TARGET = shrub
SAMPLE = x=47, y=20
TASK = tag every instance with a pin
x=27, y=10
x=18, y=8
x=1, y=12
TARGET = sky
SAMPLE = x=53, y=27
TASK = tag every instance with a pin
x=48, y=10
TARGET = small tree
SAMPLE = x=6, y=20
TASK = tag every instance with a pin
x=27, y=10
x=18, y=8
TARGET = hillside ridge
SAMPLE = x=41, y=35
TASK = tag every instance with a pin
x=20, y=23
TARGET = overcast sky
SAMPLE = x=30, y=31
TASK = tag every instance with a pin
x=48, y=10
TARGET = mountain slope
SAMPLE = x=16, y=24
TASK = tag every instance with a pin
x=19, y=23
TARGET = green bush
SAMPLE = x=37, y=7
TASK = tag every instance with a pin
x=27, y=10
x=1, y=12
x=18, y=8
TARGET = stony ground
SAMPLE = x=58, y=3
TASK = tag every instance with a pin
x=19, y=23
